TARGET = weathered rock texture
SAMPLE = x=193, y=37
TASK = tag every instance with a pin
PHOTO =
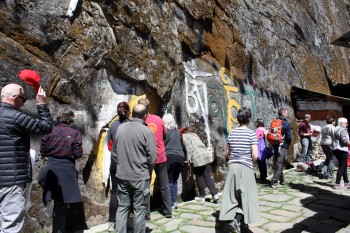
x=200, y=60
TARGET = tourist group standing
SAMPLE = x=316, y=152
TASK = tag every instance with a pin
x=144, y=143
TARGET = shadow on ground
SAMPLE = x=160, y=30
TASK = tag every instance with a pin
x=329, y=211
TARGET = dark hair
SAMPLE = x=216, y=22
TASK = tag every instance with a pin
x=139, y=111
x=66, y=115
x=281, y=111
x=244, y=115
x=124, y=105
x=260, y=122
x=330, y=120
x=123, y=110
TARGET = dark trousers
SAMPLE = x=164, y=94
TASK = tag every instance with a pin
x=262, y=169
x=59, y=217
x=113, y=202
x=163, y=185
x=203, y=176
x=279, y=157
x=342, y=157
x=173, y=174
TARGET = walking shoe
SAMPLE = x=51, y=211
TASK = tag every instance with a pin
x=338, y=186
x=168, y=216
x=111, y=226
x=200, y=199
x=216, y=198
x=235, y=226
x=174, y=207
x=347, y=185
x=276, y=185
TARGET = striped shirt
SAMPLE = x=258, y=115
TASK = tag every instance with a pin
x=241, y=141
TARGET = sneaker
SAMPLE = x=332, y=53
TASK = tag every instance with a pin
x=111, y=226
x=338, y=186
x=216, y=198
x=347, y=185
x=276, y=185
x=200, y=199
x=174, y=207
x=235, y=226
x=168, y=216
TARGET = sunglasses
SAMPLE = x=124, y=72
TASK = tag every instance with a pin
x=24, y=99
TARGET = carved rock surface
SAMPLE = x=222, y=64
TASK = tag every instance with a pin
x=199, y=60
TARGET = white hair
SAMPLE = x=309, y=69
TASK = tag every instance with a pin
x=169, y=121
x=342, y=120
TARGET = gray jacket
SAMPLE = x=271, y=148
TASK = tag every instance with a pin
x=135, y=149
x=341, y=139
x=327, y=135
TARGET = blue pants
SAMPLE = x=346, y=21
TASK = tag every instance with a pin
x=174, y=171
x=306, y=150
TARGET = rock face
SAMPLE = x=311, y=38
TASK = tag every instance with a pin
x=199, y=60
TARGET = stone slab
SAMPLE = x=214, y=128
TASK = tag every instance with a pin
x=196, y=229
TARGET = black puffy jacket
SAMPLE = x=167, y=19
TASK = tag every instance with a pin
x=15, y=130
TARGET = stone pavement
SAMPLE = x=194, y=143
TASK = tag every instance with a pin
x=305, y=204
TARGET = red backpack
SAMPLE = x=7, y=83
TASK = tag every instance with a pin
x=274, y=135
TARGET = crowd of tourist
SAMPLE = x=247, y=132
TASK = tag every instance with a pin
x=145, y=143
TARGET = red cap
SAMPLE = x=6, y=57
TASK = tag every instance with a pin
x=182, y=130
x=31, y=77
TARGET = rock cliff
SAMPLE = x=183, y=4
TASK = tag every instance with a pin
x=200, y=60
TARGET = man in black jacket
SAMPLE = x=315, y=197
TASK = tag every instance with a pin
x=15, y=166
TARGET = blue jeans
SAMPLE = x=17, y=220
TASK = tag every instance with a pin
x=306, y=150
x=173, y=175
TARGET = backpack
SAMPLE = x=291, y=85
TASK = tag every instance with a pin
x=274, y=135
x=265, y=149
x=261, y=148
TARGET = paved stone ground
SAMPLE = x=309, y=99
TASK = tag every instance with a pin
x=305, y=204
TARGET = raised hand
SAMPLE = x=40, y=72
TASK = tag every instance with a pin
x=40, y=96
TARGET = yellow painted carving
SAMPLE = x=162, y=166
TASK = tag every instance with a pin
x=100, y=143
x=100, y=151
x=231, y=103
